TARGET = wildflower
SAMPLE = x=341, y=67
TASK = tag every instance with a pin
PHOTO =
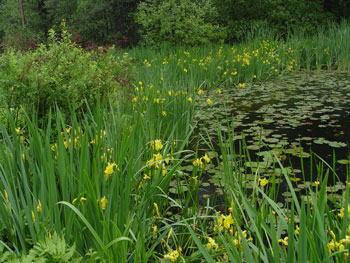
x=234, y=73
x=206, y=158
x=164, y=113
x=134, y=99
x=156, y=209
x=146, y=177
x=297, y=230
x=198, y=163
x=263, y=182
x=154, y=228
x=317, y=183
x=189, y=99
x=164, y=171
x=156, y=100
x=209, y=101
x=212, y=244
x=200, y=92
x=331, y=246
x=156, y=145
x=241, y=85
x=33, y=215
x=81, y=200
x=103, y=201
x=341, y=212
x=172, y=255
x=18, y=130
x=38, y=208
x=65, y=144
x=218, y=91
x=109, y=169
x=225, y=222
x=228, y=221
x=140, y=83
x=185, y=70
x=284, y=241
x=6, y=196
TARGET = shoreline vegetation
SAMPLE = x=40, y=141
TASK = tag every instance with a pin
x=95, y=149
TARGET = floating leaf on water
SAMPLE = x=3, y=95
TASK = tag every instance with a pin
x=303, y=155
x=336, y=144
x=269, y=120
x=173, y=190
x=306, y=138
x=188, y=168
x=343, y=161
x=254, y=147
x=295, y=179
x=320, y=141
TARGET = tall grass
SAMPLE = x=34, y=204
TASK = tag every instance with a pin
x=312, y=228
x=121, y=184
x=261, y=57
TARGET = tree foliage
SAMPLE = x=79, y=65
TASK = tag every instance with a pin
x=177, y=22
x=153, y=21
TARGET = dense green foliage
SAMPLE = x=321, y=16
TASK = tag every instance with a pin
x=152, y=21
x=121, y=182
x=102, y=158
x=177, y=22
x=59, y=73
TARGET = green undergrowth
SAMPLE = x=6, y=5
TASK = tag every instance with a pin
x=119, y=180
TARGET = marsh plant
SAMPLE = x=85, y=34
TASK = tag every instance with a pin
x=117, y=179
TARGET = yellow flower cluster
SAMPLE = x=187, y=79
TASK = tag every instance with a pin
x=263, y=182
x=341, y=212
x=237, y=240
x=334, y=245
x=156, y=145
x=283, y=241
x=156, y=161
x=212, y=244
x=199, y=161
x=109, y=171
x=225, y=222
x=103, y=202
x=172, y=255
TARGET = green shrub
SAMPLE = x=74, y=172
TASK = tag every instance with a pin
x=59, y=73
x=178, y=22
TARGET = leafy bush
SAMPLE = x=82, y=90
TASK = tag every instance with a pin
x=59, y=73
x=178, y=22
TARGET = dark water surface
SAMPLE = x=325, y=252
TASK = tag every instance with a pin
x=291, y=116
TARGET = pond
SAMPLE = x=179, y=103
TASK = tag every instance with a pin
x=301, y=118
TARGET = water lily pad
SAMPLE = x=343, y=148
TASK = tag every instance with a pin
x=336, y=144
x=343, y=161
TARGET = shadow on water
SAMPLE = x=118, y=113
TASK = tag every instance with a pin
x=302, y=118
